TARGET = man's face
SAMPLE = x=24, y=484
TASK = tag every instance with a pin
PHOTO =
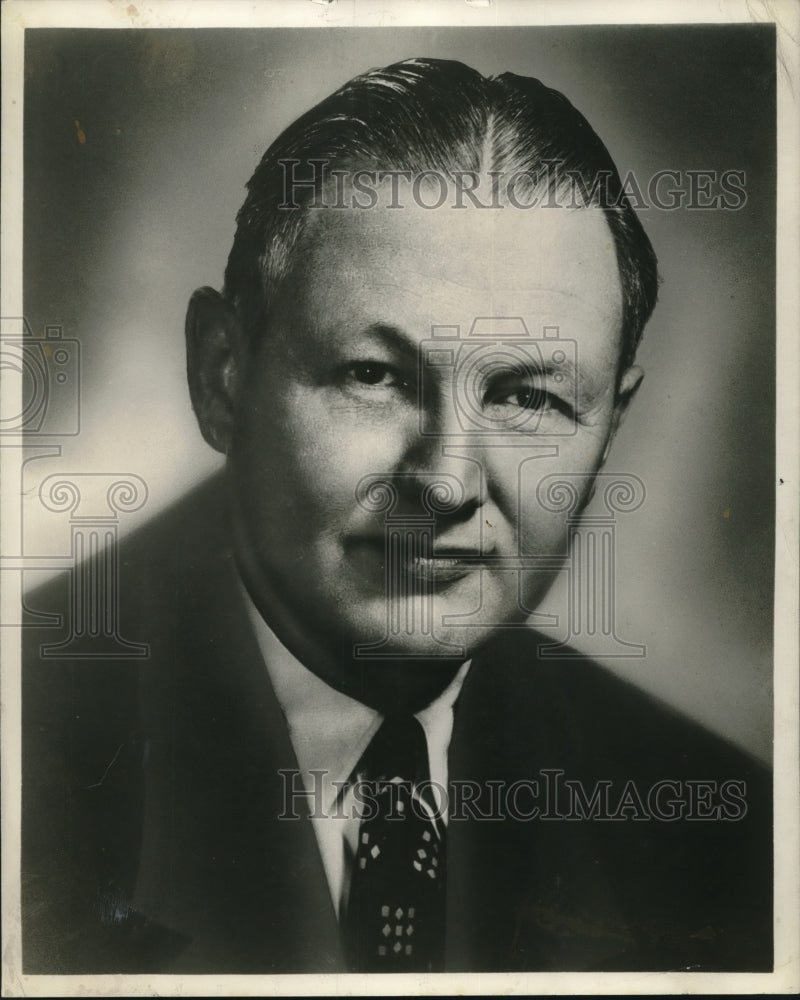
x=334, y=392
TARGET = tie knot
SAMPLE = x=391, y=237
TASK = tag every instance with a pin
x=398, y=750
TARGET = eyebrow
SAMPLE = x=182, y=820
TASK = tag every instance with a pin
x=399, y=339
x=585, y=382
x=393, y=336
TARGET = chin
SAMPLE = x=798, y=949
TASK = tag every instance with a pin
x=417, y=630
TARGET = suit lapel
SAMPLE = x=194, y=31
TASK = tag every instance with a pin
x=221, y=861
x=528, y=894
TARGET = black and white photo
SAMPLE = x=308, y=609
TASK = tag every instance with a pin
x=397, y=562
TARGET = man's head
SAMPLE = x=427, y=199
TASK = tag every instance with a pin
x=310, y=372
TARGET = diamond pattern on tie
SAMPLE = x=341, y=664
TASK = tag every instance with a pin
x=394, y=921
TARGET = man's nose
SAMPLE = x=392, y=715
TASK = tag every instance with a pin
x=440, y=451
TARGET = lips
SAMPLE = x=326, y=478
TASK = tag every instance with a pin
x=440, y=569
x=446, y=564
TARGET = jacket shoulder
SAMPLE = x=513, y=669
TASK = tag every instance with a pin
x=648, y=825
x=604, y=715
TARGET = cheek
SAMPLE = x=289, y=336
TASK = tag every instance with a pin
x=519, y=480
x=541, y=532
x=314, y=456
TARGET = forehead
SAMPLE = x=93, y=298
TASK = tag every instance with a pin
x=552, y=266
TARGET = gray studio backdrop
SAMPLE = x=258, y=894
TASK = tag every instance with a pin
x=137, y=148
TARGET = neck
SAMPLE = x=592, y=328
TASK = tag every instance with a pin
x=390, y=684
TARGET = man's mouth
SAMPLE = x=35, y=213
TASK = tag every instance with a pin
x=406, y=563
x=439, y=568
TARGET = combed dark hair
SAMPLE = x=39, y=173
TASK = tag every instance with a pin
x=433, y=114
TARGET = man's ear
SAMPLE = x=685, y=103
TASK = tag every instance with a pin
x=214, y=344
x=628, y=387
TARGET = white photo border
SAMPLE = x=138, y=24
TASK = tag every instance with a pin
x=19, y=15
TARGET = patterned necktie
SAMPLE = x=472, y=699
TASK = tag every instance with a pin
x=395, y=912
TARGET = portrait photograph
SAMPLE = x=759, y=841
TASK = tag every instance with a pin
x=399, y=441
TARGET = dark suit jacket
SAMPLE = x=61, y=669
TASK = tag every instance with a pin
x=152, y=795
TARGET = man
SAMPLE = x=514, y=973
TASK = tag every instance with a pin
x=345, y=749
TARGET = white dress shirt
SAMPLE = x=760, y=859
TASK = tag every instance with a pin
x=329, y=733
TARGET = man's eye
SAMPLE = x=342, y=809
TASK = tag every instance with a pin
x=375, y=373
x=525, y=397
x=528, y=398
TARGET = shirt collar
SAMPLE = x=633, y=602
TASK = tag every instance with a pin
x=330, y=730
